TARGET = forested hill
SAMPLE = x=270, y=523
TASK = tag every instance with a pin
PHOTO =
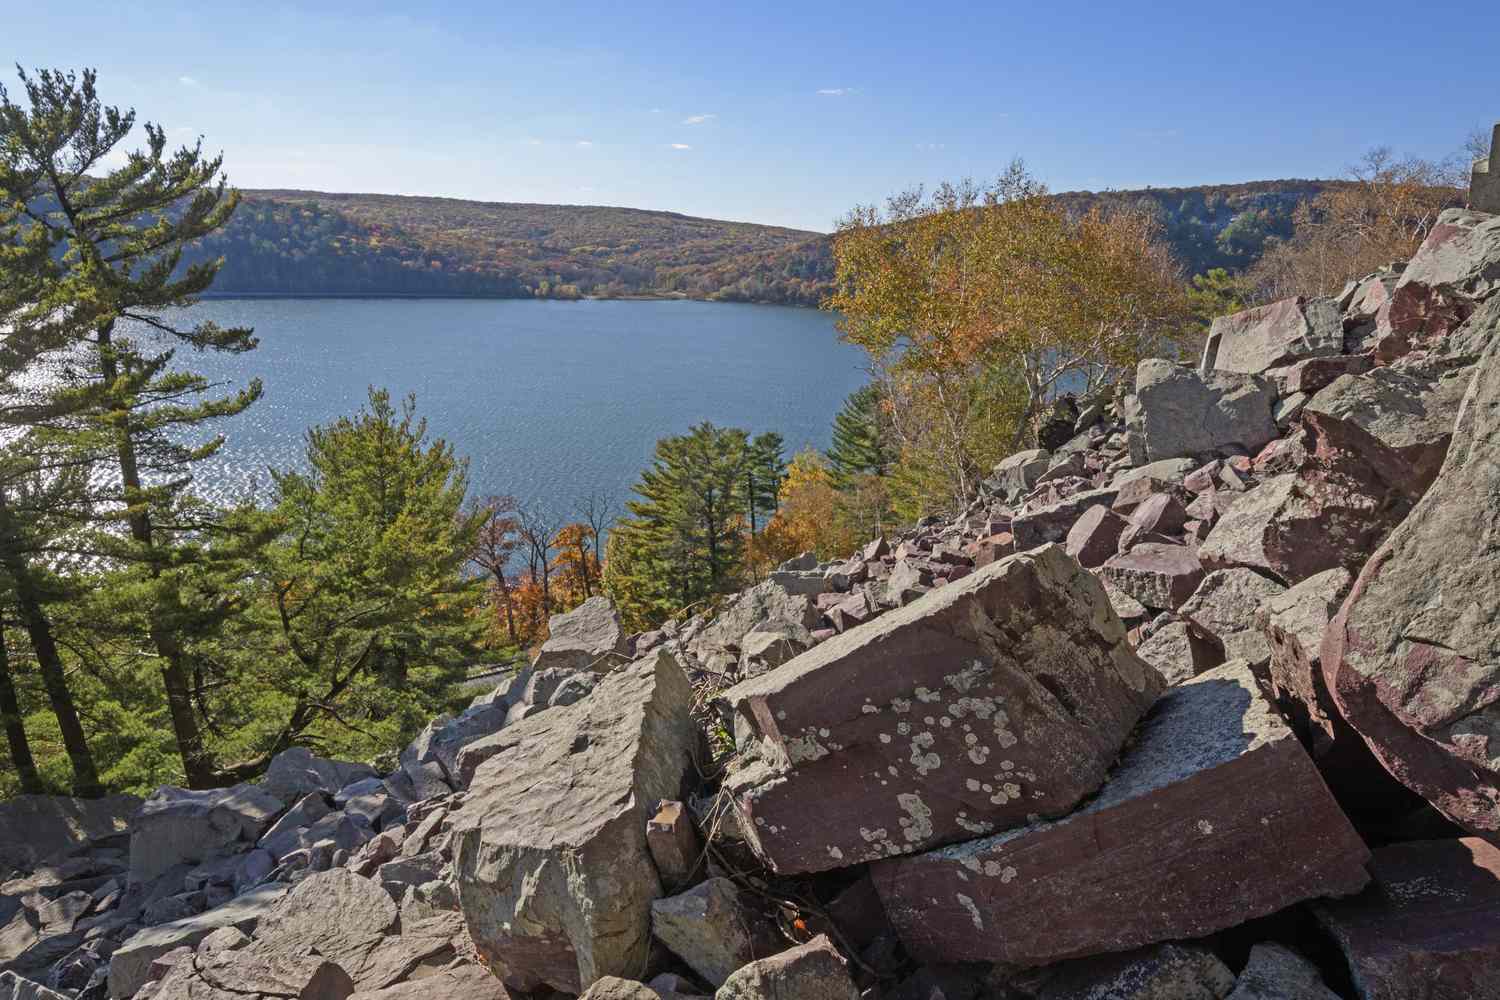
x=309, y=242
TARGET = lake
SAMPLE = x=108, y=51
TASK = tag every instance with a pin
x=549, y=400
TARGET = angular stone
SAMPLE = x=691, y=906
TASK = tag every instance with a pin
x=1411, y=659
x=1160, y=515
x=554, y=876
x=441, y=741
x=1278, y=973
x=370, y=800
x=813, y=971
x=461, y=980
x=1293, y=624
x=1170, y=471
x=255, y=975
x=844, y=759
x=13, y=987
x=1215, y=792
x=1307, y=377
x=1174, y=412
x=1224, y=606
x=1160, y=576
x=714, y=928
x=341, y=916
x=674, y=844
x=1254, y=340
x=615, y=988
x=1457, y=265
x=176, y=825
x=1180, y=651
x=296, y=772
x=1428, y=926
x=856, y=609
x=1409, y=412
x=1095, y=536
x=130, y=965
x=1163, y=972
x=590, y=637
x=991, y=548
x=289, y=833
x=36, y=827
x=765, y=606
x=1017, y=474
x=762, y=651
x=1052, y=522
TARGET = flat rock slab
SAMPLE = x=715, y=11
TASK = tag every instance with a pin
x=812, y=971
x=1214, y=816
x=1428, y=926
x=1163, y=972
x=458, y=981
x=1158, y=574
x=247, y=975
x=1176, y=412
x=1412, y=660
x=176, y=825
x=1277, y=973
x=1254, y=340
x=555, y=879
x=130, y=965
x=590, y=637
x=999, y=697
x=36, y=827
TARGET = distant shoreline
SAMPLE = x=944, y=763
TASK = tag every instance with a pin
x=633, y=297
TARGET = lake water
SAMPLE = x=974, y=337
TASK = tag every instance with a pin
x=549, y=400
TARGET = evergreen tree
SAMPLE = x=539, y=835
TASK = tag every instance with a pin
x=684, y=538
x=765, y=471
x=122, y=238
x=363, y=618
x=859, y=441
x=21, y=759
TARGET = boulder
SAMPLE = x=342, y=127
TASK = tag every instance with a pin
x=1307, y=377
x=674, y=845
x=1254, y=340
x=1160, y=514
x=1167, y=472
x=1214, y=816
x=176, y=825
x=1410, y=659
x=253, y=975
x=812, y=971
x=999, y=696
x=1293, y=624
x=1407, y=411
x=1428, y=926
x=36, y=827
x=13, y=987
x=1159, y=575
x=371, y=800
x=1016, y=475
x=1095, y=536
x=615, y=988
x=1278, y=973
x=1052, y=522
x=130, y=965
x=1180, y=651
x=338, y=915
x=714, y=928
x=296, y=772
x=554, y=875
x=289, y=833
x=1224, y=606
x=434, y=753
x=460, y=980
x=1457, y=265
x=1163, y=972
x=1176, y=412
x=766, y=607
x=590, y=637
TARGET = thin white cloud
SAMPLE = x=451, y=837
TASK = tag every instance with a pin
x=585, y=143
x=698, y=119
x=679, y=145
x=531, y=142
x=187, y=81
x=656, y=111
x=837, y=91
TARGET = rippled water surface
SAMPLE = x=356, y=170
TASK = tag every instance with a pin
x=550, y=400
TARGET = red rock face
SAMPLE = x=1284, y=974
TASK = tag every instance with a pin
x=1428, y=928
x=1095, y=536
x=1214, y=816
x=1410, y=659
x=997, y=697
x=1158, y=575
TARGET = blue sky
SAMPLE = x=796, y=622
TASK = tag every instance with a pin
x=779, y=113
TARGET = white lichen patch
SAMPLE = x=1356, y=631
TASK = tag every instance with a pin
x=1205, y=827
x=868, y=709
x=921, y=756
x=979, y=755
x=835, y=854
x=885, y=737
x=804, y=748
x=927, y=696
x=900, y=705
x=968, y=904
x=873, y=836
x=917, y=824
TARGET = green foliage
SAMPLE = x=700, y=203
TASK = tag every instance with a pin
x=1218, y=293
x=861, y=438
x=684, y=537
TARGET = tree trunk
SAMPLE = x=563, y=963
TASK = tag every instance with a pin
x=15, y=731
x=54, y=680
x=510, y=614
x=198, y=768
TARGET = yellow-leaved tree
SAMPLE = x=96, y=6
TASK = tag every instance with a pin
x=980, y=305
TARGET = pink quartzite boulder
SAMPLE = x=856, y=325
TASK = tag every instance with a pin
x=1254, y=340
x=998, y=697
x=1095, y=536
x=1428, y=927
x=1413, y=657
x=1159, y=575
x=1213, y=817
x=1457, y=265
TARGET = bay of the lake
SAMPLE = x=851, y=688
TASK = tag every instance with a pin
x=550, y=401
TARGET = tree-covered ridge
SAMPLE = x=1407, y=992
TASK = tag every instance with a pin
x=309, y=242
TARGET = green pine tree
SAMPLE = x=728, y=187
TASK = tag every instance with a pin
x=120, y=273
x=859, y=441
x=765, y=471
